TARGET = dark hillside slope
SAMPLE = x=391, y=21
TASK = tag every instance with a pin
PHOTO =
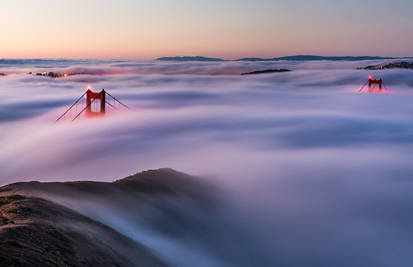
x=168, y=212
x=37, y=232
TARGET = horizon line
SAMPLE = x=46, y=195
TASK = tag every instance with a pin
x=206, y=57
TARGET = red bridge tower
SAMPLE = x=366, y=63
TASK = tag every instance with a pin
x=95, y=105
x=375, y=82
x=93, y=96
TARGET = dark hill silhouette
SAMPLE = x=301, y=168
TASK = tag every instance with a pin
x=394, y=65
x=55, y=223
x=37, y=232
x=265, y=71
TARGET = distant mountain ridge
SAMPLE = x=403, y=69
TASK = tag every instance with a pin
x=292, y=58
x=189, y=59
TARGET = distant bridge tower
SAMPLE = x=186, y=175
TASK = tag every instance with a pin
x=373, y=82
x=93, y=96
x=374, y=86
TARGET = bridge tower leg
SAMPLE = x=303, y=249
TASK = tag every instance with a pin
x=103, y=101
x=88, y=102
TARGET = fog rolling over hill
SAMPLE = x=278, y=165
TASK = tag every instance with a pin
x=37, y=232
x=160, y=217
x=302, y=169
x=167, y=218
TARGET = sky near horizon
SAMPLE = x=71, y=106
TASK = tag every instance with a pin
x=146, y=29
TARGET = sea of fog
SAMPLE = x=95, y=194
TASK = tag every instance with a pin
x=320, y=174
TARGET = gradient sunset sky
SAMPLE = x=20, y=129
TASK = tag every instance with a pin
x=146, y=29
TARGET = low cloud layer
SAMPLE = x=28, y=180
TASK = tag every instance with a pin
x=318, y=173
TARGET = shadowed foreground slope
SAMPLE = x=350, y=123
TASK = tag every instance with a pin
x=37, y=228
x=37, y=232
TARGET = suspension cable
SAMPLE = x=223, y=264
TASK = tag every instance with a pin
x=84, y=109
x=361, y=89
x=81, y=97
x=114, y=98
x=112, y=106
